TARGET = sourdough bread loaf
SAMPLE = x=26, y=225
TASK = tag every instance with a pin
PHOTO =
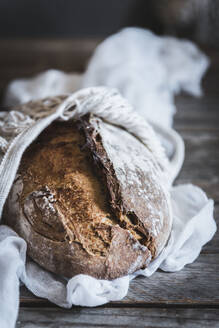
x=88, y=199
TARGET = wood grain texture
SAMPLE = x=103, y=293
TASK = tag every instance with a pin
x=201, y=166
x=118, y=317
x=212, y=247
x=188, y=286
x=180, y=299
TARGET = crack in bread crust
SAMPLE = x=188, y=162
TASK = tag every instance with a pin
x=76, y=195
x=126, y=219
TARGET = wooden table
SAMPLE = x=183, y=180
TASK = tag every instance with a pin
x=189, y=298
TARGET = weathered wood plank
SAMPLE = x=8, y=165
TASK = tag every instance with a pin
x=201, y=112
x=196, y=284
x=212, y=247
x=201, y=166
x=200, y=145
x=196, y=114
x=205, y=175
x=118, y=317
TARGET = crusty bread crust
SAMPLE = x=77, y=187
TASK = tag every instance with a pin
x=77, y=213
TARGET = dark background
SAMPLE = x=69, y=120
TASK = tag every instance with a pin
x=70, y=18
x=194, y=19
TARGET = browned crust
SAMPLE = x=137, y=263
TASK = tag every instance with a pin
x=130, y=246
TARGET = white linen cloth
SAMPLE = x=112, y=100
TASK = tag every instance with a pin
x=193, y=222
x=148, y=70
